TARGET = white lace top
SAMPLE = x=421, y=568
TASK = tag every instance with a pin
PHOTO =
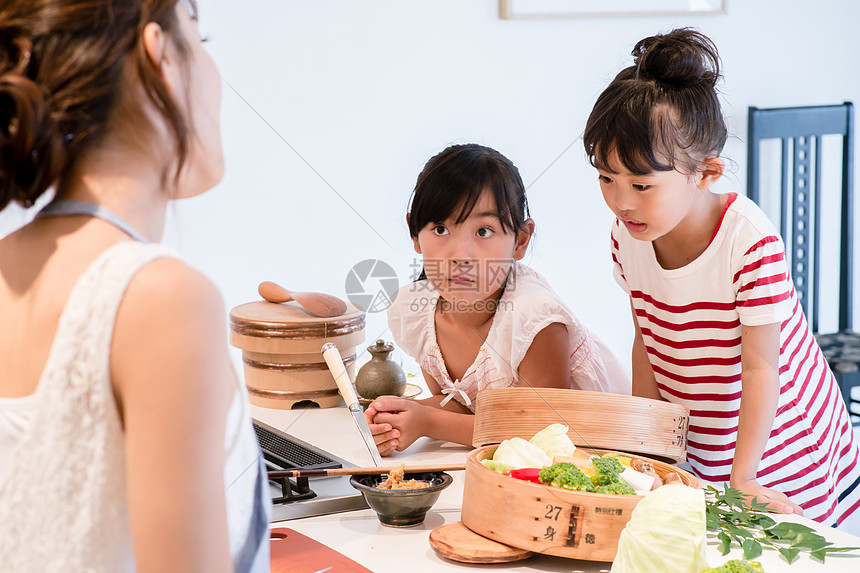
x=62, y=486
x=528, y=305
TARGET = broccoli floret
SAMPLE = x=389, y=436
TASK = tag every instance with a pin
x=737, y=566
x=607, y=469
x=566, y=475
x=617, y=488
x=607, y=464
x=549, y=473
x=575, y=480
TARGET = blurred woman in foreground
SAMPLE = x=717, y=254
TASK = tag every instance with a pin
x=125, y=437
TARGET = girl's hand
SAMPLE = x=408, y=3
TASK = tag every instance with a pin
x=776, y=500
x=406, y=418
x=385, y=437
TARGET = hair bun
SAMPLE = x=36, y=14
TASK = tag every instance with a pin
x=31, y=148
x=681, y=57
x=15, y=49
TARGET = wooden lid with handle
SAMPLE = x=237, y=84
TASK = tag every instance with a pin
x=287, y=328
x=290, y=320
x=457, y=542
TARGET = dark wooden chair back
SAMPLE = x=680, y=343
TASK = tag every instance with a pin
x=801, y=130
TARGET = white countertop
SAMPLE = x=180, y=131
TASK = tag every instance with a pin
x=360, y=536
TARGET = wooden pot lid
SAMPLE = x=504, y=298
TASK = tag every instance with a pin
x=289, y=320
x=457, y=542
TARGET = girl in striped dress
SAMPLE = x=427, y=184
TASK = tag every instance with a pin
x=718, y=326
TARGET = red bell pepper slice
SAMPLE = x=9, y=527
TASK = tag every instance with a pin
x=527, y=474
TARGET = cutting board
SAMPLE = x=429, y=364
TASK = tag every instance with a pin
x=292, y=552
x=457, y=542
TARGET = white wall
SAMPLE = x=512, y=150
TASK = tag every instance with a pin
x=365, y=92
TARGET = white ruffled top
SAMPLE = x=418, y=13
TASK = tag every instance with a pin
x=527, y=306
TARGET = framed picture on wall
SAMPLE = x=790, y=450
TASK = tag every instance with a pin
x=530, y=9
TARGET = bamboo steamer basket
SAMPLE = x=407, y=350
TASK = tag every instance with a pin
x=595, y=419
x=547, y=519
x=281, y=352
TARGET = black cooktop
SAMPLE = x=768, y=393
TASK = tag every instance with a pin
x=294, y=498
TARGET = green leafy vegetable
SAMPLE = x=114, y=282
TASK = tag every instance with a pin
x=734, y=517
x=607, y=470
x=549, y=473
x=616, y=488
x=737, y=566
x=567, y=476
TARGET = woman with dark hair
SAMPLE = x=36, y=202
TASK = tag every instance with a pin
x=123, y=427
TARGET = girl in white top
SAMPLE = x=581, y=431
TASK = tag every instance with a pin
x=476, y=318
x=125, y=437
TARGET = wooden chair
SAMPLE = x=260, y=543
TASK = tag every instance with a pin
x=800, y=130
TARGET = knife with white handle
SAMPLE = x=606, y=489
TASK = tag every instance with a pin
x=344, y=384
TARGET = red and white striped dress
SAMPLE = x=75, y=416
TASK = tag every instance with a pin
x=691, y=320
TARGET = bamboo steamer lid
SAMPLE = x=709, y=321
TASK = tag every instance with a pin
x=281, y=352
x=595, y=419
x=547, y=519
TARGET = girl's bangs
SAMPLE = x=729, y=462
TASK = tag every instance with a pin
x=642, y=143
x=453, y=181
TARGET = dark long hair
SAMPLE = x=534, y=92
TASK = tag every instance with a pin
x=61, y=68
x=452, y=182
x=663, y=112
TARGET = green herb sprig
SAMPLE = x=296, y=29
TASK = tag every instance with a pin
x=735, y=518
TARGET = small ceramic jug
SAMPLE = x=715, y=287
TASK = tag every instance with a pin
x=380, y=376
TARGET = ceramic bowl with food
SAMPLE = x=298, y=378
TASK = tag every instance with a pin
x=401, y=507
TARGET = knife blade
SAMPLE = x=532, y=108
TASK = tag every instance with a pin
x=344, y=384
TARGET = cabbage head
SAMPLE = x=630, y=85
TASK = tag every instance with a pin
x=554, y=441
x=517, y=453
x=666, y=533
